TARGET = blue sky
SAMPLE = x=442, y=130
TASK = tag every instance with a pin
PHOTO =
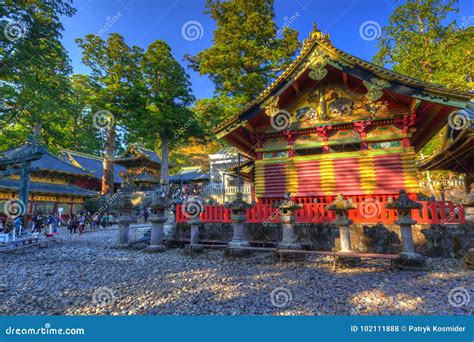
x=143, y=21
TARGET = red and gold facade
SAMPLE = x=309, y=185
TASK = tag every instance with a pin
x=332, y=123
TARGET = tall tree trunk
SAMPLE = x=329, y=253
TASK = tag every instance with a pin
x=108, y=166
x=164, y=174
x=37, y=129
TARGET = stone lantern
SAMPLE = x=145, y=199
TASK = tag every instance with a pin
x=193, y=209
x=404, y=205
x=286, y=208
x=158, y=207
x=122, y=209
x=469, y=259
x=341, y=206
x=239, y=208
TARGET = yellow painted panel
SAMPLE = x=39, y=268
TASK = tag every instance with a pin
x=328, y=180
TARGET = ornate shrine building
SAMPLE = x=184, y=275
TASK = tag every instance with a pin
x=93, y=165
x=64, y=182
x=142, y=167
x=333, y=123
x=55, y=183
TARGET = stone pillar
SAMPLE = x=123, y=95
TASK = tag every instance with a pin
x=238, y=238
x=193, y=208
x=122, y=209
x=194, y=246
x=345, y=236
x=124, y=221
x=286, y=208
x=158, y=207
x=404, y=205
x=341, y=206
x=156, y=236
x=238, y=207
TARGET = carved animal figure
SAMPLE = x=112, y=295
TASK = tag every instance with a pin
x=340, y=105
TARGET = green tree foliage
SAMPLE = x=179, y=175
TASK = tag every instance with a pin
x=247, y=54
x=82, y=137
x=34, y=69
x=113, y=71
x=409, y=42
x=418, y=43
x=164, y=117
x=454, y=63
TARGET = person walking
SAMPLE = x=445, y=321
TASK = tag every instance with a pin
x=82, y=223
x=105, y=221
x=72, y=225
x=37, y=223
x=110, y=219
x=146, y=214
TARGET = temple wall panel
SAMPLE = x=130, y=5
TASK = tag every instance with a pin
x=351, y=173
x=309, y=178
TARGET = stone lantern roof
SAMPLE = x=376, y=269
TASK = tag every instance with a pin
x=287, y=203
x=340, y=204
x=403, y=202
x=238, y=203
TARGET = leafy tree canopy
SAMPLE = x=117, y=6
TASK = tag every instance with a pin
x=34, y=70
x=247, y=54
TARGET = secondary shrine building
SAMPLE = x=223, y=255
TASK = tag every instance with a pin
x=333, y=123
x=63, y=183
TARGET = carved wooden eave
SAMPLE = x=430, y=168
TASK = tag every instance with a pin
x=317, y=58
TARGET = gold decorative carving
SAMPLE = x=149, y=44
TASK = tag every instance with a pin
x=318, y=64
x=375, y=87
x=271, y=106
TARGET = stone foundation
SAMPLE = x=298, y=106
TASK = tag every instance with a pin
x=433, y=241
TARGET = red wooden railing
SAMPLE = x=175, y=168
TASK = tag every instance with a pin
x=367, y=212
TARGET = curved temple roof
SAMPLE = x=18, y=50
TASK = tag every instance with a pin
x=439, y=97
x=48, y=188
x=92, y=164
x=458, y=149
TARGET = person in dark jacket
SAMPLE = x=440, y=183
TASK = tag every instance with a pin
x=72, y=225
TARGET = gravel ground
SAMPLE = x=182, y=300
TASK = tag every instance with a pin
x=85, y=276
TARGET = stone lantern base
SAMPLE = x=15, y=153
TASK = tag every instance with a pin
x=237, y=251
x=193, y=249
x=469, y=259
x=155, y=249
x=411, y=261
x=347, y=261
x=121, y=245
x=289, y=245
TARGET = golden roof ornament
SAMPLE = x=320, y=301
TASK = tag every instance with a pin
x=317, y=34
